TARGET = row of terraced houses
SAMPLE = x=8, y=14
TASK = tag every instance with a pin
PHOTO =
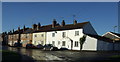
x=63, y=36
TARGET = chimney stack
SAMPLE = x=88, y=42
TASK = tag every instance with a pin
x=34, y=26
x=13, y=30
x=10, y=31
x=63, y=23
x=24, y=28
x=54, y=23
x=38, y=26
x=18, y=28
x=75, y=22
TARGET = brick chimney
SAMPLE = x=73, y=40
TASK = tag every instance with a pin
x=63, y=23
x=24, y=28
x=18, y=28
x=38, y=26
x=13, y=30
x=34, y=26
x=10, y=31
x=75, y=22
x=54, y=23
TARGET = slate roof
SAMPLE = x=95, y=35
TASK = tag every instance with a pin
x=47, y=28
x=59, y=28
x=30, y=30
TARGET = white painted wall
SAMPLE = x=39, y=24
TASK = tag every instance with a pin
x=39, y=39
x=90, y=44
x=58, y=37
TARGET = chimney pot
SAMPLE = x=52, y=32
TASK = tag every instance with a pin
x=38, y=26
x=63, y=23
x=34, y=26
x=54, y=23
x=18, y=28
x=13, y=30
x=75, y=22
x=24, y=28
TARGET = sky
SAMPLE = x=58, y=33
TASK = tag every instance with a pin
x=102, y=15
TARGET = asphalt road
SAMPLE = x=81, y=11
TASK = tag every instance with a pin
x=65, y=56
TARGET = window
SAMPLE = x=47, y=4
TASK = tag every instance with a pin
x=63, y=43
x=35, y=35
x=53, y=43
x=53, y=34
x=26, y=36
x=42, y=35
x=63, y=34
x=42, y=42
x=76, y=43
x=58, y=42
x=76, y=33
x=35, y=42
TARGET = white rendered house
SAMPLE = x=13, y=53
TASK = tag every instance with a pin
x=67, y=36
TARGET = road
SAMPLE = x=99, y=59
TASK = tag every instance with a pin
x=65, y=56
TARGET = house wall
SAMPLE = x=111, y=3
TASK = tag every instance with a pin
x=39, y=39
x=88, y=29
x=26, y=38
x=70, y=34
x=90, y=44
x=12, y=39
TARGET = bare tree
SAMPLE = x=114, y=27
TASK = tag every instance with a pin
x=82, y=41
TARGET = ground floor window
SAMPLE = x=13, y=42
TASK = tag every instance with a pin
x=42, y=42
x=63, y=43
x=58, y=42
x=76, y=43
x=35, y=42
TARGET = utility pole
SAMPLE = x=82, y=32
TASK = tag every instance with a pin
x=114, y=37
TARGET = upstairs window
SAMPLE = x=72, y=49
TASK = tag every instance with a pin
x=35, y=35
x=76, y=33
x=58, y=42
x=64, y=34
x=53, y=34
x=42, y=35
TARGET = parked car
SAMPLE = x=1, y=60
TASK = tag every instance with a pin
x=39, y=46
x=18, y=45
x=63, y=48
x=31, y=46
x=49, y=47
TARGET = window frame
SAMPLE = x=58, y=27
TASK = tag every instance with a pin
x=53, y=34
x=77, y=33
x=76, y=44
x=63, y=34
x=63, y=43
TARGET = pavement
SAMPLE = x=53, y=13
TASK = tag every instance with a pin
x=37, y=55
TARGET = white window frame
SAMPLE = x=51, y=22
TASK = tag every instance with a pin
x=77, y=33
x=53, y=34
x=63, y=43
